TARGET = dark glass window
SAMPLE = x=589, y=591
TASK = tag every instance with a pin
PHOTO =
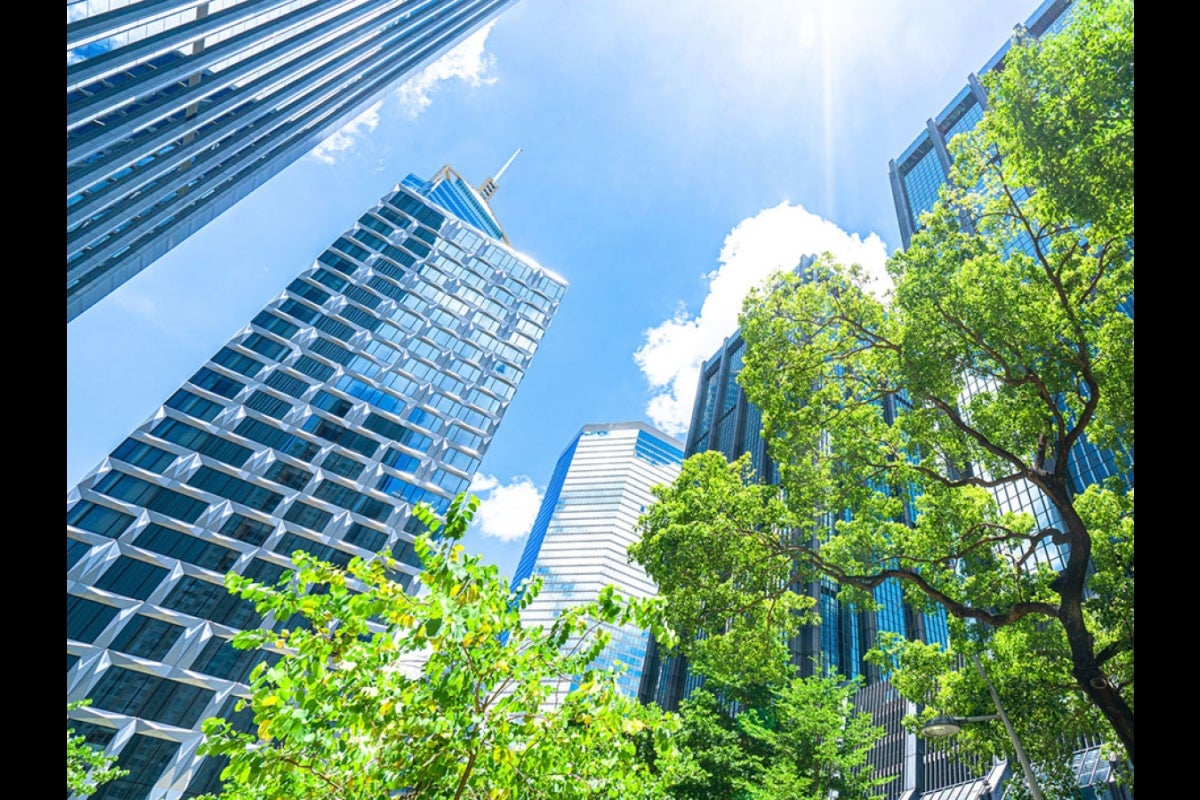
x=354, y=501
x=216, y=382
x=334, y=261
x=212, y=601
x=362, y=297
x=274, y=437
x=265, y=347
x=131, y=578
x=145, y=757
x=98, y=519
x=287, y=383
x=401, y=461
x=334, y=328
x=231, y=359
x=76, y=551
x=308, y=516
x=235, y=489
x=194, y=405
x=330, y=350
x=268, y=321
x=156, y=498
x=268, y=404
x=327, y=278
x=386, y=287
x=139, y=694
x=246, y=529
x=87, y=618
x=361, y=318
x=302, y=288
x=286, y=474
x=313, y=368
x=364, y=537
x=147, y=637
x=330, y=402
x=298, y=310
x=342, y=465
x=146, y=456
x=170, y=542
x=184, y=435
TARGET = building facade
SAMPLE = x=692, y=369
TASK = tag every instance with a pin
x=374, y=381
x=588, y=519
x=176, y=109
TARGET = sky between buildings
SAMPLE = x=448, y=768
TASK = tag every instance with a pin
x=676, y=152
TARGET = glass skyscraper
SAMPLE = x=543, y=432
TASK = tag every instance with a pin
x=176, y=109
x=588, y=518
x=374, y=381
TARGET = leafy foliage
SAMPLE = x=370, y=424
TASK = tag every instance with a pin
x=907, y=428
x=87, y=767
x=802, y=741
x=340, y=715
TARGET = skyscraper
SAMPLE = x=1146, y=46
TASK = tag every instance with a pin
x=176, y=109
x=587, y=520
x=374, y=381
x=922, y=169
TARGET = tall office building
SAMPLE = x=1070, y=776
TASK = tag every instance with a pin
x=176, y=109
x=374, y=381
x=916, y=176
x=588, y=518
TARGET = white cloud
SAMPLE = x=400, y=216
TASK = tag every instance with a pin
x=506, y=511
x=775, y=239
x=466, y=62
x=332, y=148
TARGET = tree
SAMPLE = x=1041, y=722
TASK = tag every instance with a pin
x=899, y=424
x=88, y=768
x=339, y=715
x=803, y=740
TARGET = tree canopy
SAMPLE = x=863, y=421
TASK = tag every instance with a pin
x=382, y=694
x=970, y=436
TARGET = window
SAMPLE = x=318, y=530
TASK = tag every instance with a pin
x=87, y=618
x=268, y=404
x=147, y=637
x=156, y=498
x=286, y=474
x=98, y=519
x=139, y=694
x=235, y=489
x=231, y=359
x=246, y=529
x=342, y=465
x=131, y=578
x=308, y=516
x=216, y=382
x=173, y=543
x=194, y=405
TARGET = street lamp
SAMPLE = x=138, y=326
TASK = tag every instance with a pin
x=943, y=726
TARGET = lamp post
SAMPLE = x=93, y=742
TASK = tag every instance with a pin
x=943, y=726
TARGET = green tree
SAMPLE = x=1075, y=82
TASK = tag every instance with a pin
x=339, y=715
x=896, y=423
x=88, y=768
x=802, y=740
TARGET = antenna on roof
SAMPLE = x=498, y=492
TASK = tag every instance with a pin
x=490, y=185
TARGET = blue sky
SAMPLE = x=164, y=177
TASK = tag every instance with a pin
x=675, y=153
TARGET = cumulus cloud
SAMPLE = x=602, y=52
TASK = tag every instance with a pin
x=506, y=511
x=466, y=62
x=774, y=239
x=332, y=148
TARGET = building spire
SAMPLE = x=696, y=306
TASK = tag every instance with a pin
x=490, y=185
